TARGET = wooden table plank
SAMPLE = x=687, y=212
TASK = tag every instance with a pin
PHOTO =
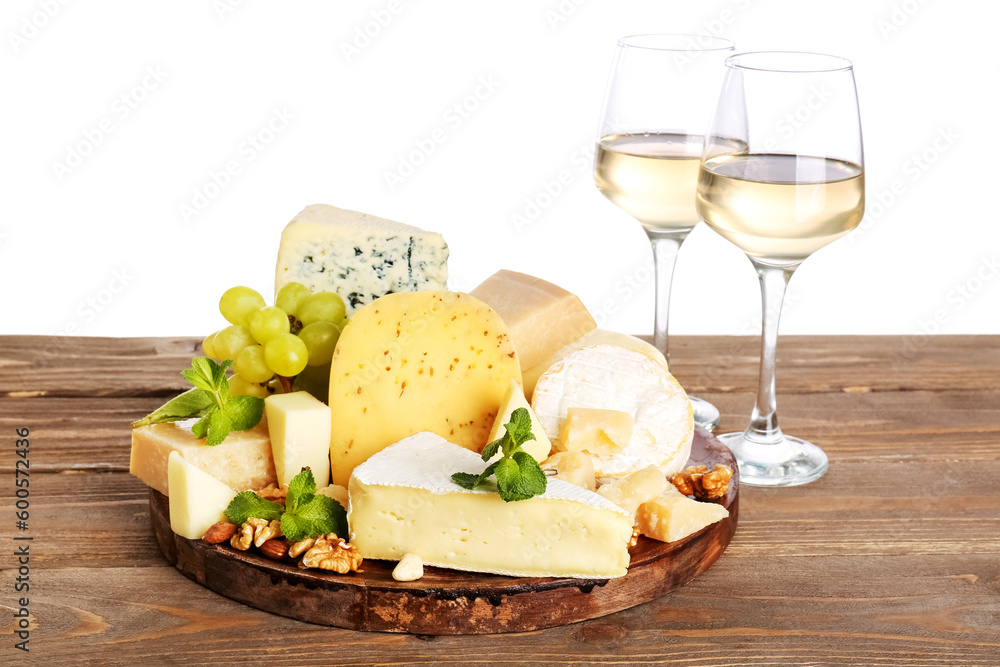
x=92, y=433
x=948, y=615
x=892, y=558
x=65, y=366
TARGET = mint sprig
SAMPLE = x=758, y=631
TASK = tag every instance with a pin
x=305, y=514
x=220, y=413
x=518, y=474
x=248, y=504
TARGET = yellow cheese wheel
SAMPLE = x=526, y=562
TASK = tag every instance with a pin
x=412, y=362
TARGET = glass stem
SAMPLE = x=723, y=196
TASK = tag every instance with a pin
x=763, y=426
x=666, y=244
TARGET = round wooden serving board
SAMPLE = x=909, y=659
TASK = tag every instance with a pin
x=450, y=602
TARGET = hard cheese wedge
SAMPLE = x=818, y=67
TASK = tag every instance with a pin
x=422, y=361
x=513, y=399
x=595, y=430
x=359, y=256
x=243, y=461
x=615, y=378
x=403, y=501
x=197, y=500
x=542, y=317
x=300, y=435
x=531, y=374
x=673, y=516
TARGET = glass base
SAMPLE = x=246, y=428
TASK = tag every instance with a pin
x=706, y=415
x=788, y=462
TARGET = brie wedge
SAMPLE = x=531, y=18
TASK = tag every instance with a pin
x=402, y=500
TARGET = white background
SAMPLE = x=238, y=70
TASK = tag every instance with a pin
x=100, y=245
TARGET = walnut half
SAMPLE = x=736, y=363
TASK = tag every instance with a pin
x=700, y=482
x=255, y=532
x=332, y=553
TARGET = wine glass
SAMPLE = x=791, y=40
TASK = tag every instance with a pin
x=657, y=106
x=796, y=184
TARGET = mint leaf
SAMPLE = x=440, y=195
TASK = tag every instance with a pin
x=307, y=514
x=200, y=428
x=319, y=516
x=248, y=504
x=519, y=476
x=532, y=480
x=218, y=371
x=516, y=480
x=490, y=450
x=244, y=411
x=218, y=427
x=466, y=480
x=301, y=490
x=518, y=431
x=486, y=473
x=198, y=380
x=189, y=404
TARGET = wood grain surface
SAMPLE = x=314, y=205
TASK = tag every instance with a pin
x=892, y=558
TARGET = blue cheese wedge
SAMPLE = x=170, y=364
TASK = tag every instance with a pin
x=402, y=501
x=359, y=256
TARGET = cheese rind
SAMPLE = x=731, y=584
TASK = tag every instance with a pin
x=359, y=256
x=242, y=461
x=419, y=361
x=513, y=399
x=402, y=500
x=531, y=374
x=616, y=378
x=542, y=317
x=299, y=425
x=196, y=500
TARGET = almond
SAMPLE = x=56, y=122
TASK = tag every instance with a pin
x=219, y=532
x=274, y=549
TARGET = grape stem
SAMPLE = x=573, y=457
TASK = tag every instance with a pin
x=286, y=383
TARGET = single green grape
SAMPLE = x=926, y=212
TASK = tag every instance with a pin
x=228, y=342
x=322, y=307
x=238, y=386
x=267, y=323
x=286, y=354
x=320, y=339
x=208, y=345
x=238, y=303
x=290, y=297
x=250, y=364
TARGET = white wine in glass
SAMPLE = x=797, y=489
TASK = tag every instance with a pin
x=656, y=111
x=781, y=197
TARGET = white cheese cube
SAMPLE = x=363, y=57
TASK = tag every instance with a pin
x=299, y=426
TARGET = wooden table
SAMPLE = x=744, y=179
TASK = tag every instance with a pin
x=892, y=558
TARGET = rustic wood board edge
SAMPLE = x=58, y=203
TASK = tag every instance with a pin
x=449, y=602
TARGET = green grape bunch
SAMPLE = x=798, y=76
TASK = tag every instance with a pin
x=273, y=345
